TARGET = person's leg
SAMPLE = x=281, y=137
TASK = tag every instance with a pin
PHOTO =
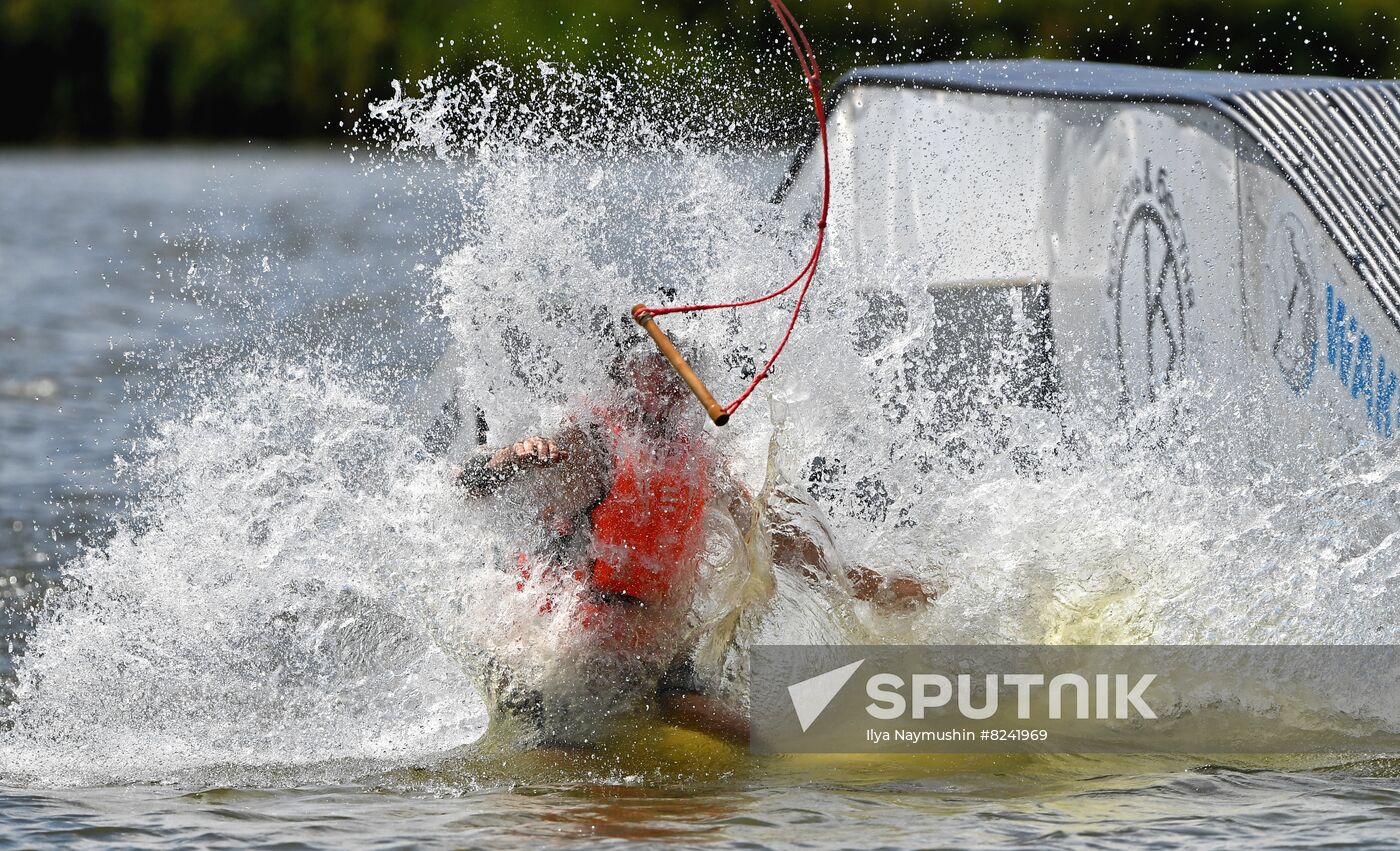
x=507, y=696
x=684, y=703
x=705, y=714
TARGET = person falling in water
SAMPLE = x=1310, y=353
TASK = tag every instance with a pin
x=622, y=514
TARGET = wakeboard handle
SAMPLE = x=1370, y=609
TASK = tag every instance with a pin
x=669, y=351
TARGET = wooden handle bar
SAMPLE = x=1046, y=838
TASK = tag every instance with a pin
x=672, y=354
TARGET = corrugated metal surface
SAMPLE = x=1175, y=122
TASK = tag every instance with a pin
x=1340, y=147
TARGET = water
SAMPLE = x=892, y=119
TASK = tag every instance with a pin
x=212, y=397
x=99, y=249
x=1138, y=804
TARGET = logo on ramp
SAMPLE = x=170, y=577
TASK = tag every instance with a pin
x=812, y=696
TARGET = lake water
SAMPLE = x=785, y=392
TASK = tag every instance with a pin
x=97, y=299
x=135, y=281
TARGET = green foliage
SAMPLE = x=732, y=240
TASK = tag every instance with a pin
x=105, y=69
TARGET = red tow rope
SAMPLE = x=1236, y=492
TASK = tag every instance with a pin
x=645, y=316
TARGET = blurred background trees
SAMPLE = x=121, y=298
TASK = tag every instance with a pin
x=100, y=70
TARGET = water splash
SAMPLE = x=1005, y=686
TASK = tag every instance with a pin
x=299, y=582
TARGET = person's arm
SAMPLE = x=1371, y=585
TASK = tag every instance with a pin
x=890, y=592
x=792, y=548
x=804, y=547
x=483, y=474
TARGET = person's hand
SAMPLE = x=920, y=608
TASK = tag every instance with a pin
x=532, y=451
x=898, y=592
x=906, y=593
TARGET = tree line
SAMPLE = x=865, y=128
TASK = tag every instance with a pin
x=103, y=70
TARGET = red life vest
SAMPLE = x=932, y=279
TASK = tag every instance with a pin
x=648, y=529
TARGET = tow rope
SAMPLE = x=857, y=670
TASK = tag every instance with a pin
x=646, y=316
